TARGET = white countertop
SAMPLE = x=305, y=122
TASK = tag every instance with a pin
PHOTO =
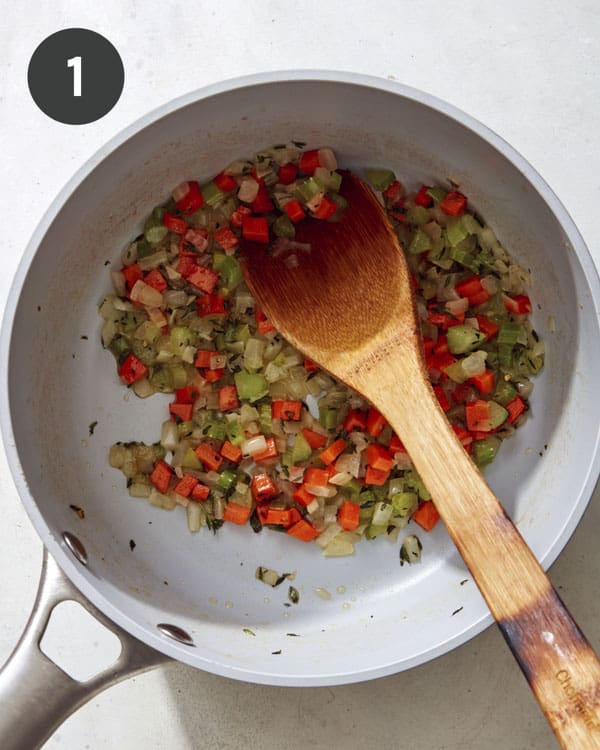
x=530, y=71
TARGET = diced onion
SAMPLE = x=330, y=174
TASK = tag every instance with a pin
x=474, y=364
x=254, y=445
x=145, y=294
x=119, y=283
x=248, y=189
x=327, y=158
x=169, y=437
x=321, y=491
x=456, y=307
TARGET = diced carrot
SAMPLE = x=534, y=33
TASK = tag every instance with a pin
x=314, y=477
x=132, y=370
x=519, y=305
x=314, y=439
x=309, y=161
x=303, y=530
x=161, y=476
x=426, y=515
x=186, y=395
x=186, y=485
x=287, y=410
x=263, y=324
x=443, y=319
x=463, y=435
x=287, y=173
x=378, y=457
x=226, y=238
x=422, y=198
x=181, y=412
x=237, y=217
x=225, y=182
x=191, y=199
x=174, y=224
x=132, y=274
x=349, y=515
x=186, y=264
x=204, y=279
x=196, y=237
x=515, y=408
x=211, y=304
x=441, y=345
x=228, y=398
x=263, y=487
x=209, y=456
x=231, y=452
x=440, y=362
x=303, y=496
x=294, y=210
x=393, y=191
x=484, y=382
x=454, y=203
x=428, y=345
x=355, y=420
x=200, y=493
x=396, y=445
x=472, y=289
x=325, y=209
x=309, y=365
x=487, y=326
x=269, y=452
x=156, y=280
x=236, y=513
x=375, y=422
x=375, y=476
x=262, y=204
x=278, y=517
x=255, y=229
x=211, y=376
x=478, y=416
x=332, y=451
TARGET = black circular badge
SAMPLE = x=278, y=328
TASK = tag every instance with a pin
x=75, y=76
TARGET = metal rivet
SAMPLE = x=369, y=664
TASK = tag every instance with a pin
x=76, y=547
x=176, y=633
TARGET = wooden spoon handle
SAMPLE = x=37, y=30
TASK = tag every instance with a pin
x=558, y=662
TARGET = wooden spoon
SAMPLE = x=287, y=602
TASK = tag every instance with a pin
x=348, y=305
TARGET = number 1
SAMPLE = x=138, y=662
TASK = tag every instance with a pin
x=75, y=63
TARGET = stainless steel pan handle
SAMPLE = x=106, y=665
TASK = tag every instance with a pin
x=37, y=696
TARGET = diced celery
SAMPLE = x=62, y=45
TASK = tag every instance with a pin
x=395, y=486
x=226, y=480
x=212, y=195
x=251, y=386
x=235, y=432
x=185, y=429
x=505, y=356
x=191, y=460
x=253, y=354
x=414, y=481
x=374, y=530
x=417, y=215
x=420, y=243
x=437, y=193
x=404, y=503
x=463, y=339
x=328, y=417
x=484, y=451
x=242, y=332
x=162, y=379
x=230, y=271
x=307, y=189
x=511, y=333
x=339, y=200
x=154, y=230
x=380, y=178
x=180, y=337
x=353, y=488
x=505, y=392
x=455, y=231
x=216, y=430
x=329, y=179
x=283, y=227
x=301, y=450
x=471, y=224
x=498, y=414
x=455, y=372
x=265, y=418
x=465, y=258
x=144, y=351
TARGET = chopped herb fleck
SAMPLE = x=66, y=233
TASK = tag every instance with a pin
x=132, y=545
x=276, y=653
x=456, y=611
x=293, y=595
x=92, y=426
x=293, y=635
x=248, y=631
x=299, y=144
x=85, y=338
x=465, y=580
x=80, y=511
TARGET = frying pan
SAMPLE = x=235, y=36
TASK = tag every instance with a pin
x=194, y=597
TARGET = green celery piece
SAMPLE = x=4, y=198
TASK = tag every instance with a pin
x=404, y=503
x=395, y=486
x=455, y=372
x=307, y=189
x=217, y=430
x=301, y=450
x=414, y=481
x=283, y=227
x=455, y=232
x=180, y=337
x=505, y=392
x=235, y=432
x=367, y=496
x=191, y=460
x=265, y=418
x=339, y=200
x=498, y=414
x=463, y=339
x=505, y=356
x=484, y=451
x=511, y=333
x=420, y=243
x=417, y=215
x=230, y=271
x=251, y=386
x=465, y=258
x=226, y=480
x=374, y=530
x=381, y=179
x=211, y=194
x=353, y=488
x=119, y=346
x=154, y=229
x=328, y=417
x=471, y=224
x=437, y=193
x=242, y=333
x=185, y=429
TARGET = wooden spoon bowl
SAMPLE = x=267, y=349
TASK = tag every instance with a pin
x=347, y=303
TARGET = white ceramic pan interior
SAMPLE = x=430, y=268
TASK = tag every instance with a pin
x=381, y=617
